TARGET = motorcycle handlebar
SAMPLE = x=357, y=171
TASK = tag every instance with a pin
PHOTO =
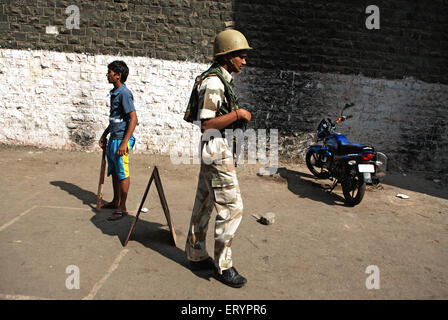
x=343, y=118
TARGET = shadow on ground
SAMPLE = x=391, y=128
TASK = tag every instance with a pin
x=152, y=235
x=87, y=197
x=419, y=184
x=307, y=186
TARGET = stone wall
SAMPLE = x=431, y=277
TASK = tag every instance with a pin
x=310, y=58
x=61, y=100
x=319, y=35
x=406, y=119
x=162, y=29
x=331, y=36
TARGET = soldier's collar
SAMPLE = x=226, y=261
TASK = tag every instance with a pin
x=226, y=74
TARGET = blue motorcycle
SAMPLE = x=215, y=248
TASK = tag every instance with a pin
x=351, y=164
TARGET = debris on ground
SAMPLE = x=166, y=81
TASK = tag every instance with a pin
x=265, y=218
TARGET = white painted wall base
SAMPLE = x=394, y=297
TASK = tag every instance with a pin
x=61, y=100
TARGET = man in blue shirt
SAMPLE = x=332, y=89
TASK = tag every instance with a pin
x=122, y=122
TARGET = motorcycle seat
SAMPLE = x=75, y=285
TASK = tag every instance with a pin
x=346, y=147
x=353, y=148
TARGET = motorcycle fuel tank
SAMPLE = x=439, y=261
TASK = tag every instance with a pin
x=334, y=140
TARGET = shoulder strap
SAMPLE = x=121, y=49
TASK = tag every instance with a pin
x=192, y=108
x=228, y=91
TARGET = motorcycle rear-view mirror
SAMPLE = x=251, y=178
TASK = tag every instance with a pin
x=347, y=105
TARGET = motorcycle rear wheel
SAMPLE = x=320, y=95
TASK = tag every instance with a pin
x=354, y=189
x=315, y=165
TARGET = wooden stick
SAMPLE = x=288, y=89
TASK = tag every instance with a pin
x=99, y=196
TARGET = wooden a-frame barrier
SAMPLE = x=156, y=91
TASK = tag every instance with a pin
x=155, y=176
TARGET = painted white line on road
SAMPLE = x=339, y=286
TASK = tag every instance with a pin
x=67, y=208
x=109, y=272
x=7, y=224
x=20, y=297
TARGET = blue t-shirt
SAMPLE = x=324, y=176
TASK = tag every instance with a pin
x=121, y=104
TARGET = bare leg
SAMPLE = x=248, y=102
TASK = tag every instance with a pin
x=116, y=200
x=117, y=190
x=124, y=188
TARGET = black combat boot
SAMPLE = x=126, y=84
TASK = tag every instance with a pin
x=231, y=278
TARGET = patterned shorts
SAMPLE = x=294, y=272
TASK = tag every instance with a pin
x=116, y=164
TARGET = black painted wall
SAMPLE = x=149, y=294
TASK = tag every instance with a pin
x=305, y=35
x=331, y=36
x=163, y=29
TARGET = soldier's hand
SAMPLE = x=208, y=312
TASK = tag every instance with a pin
x=244, y=115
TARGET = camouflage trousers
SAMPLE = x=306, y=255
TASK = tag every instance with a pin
x=217, y=188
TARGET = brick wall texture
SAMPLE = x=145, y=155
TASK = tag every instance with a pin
x=319, y=35
x=162, y=29
x=310, y=58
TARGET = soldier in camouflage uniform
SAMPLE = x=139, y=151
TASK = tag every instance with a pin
x=218, y=184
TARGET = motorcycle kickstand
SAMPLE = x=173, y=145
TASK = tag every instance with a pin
x=334, y=186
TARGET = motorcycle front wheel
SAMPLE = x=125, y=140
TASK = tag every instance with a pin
x=316, y=165
x=353, y=188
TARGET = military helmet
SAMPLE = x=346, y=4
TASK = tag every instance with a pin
x=230, y=40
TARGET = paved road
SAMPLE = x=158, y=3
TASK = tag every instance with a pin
x=318, y=248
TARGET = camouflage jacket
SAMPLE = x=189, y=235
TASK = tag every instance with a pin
x=212, y=95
